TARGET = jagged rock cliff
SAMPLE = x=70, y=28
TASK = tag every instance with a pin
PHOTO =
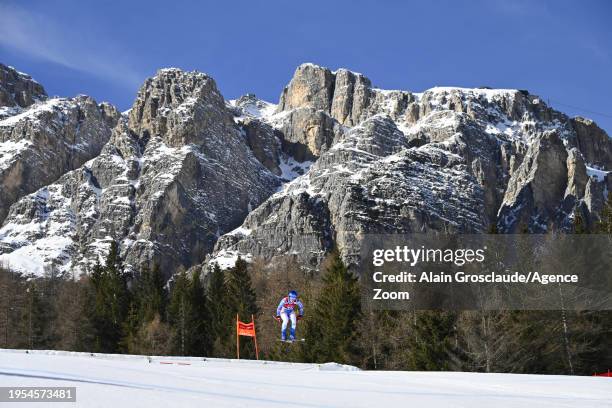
x=448, y=159
x=187, y=175
x=17, y=90
x=41, y=139
x=175, y=175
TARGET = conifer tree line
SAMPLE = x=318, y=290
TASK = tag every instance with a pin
x=111, y=311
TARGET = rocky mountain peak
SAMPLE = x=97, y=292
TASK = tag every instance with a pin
x=448, y=158
x=311, y=86
x=175, y=174
x=187, y=174
x=181, y=107
x=593, y=142
x=18, y=89
x=344, y=95
x=249, y=105
x=42, y=141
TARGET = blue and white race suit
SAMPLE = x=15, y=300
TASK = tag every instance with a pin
x=286, y=311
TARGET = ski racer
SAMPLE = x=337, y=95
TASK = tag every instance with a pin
x=286, y=311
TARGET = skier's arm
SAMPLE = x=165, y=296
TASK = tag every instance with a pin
x=301, y=307
x=279, y=309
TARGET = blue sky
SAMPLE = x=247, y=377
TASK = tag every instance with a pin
x=561, y=50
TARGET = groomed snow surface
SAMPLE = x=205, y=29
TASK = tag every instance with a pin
x=138, y=381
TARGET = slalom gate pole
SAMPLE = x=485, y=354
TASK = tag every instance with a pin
x=255, y=337
x=237, y=339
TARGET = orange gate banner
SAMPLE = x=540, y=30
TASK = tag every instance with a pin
x=248, y=330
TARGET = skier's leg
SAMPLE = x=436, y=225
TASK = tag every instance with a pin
x=293, y=323
x=284, y=325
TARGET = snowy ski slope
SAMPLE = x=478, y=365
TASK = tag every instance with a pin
x=136, y=381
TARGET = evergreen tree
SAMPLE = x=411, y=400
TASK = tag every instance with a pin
x=179, y=311
x=109, y=304
x=605, y=223
x=151, y=295
x=149, y=302
x=242, y=301
x=431, y=346
x=189, y=316
x=200, y=319
x=333, y=325
x=241, y=296
x=117, y=296
x=220, y=312
x=94, y=306
x=34, y=324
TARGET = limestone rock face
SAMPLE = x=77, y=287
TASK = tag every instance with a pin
x=263, y=140
x=318, y=104
x=181, y=108
x=593, y=142
x=346, y=96
x=308, y=132
x=369, y=182
x=537, y=187
x=173, y=177
x=594, y=197
x=447, y=159
x=351, y=97
x=311, y=86
x=18, y=90
x=187, y=178
x=576, y=174
x=48, y=139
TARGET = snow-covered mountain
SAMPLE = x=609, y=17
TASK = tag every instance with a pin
x=175, y=174
x=187, y=176
x=448, y=159
x=18, y=91
x=41, y=138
